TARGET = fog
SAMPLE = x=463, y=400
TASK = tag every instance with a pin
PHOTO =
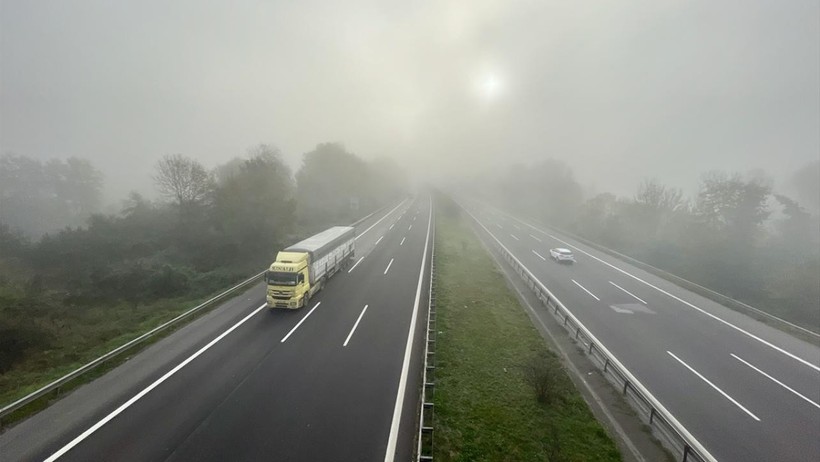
x=620, y=91
x=154, y=154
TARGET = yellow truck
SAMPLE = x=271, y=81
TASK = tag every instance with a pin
x=303, y=269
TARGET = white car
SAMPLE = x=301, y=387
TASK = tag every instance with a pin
x=562, y=255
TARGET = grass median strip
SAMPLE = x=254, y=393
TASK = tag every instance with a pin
x=500, y=394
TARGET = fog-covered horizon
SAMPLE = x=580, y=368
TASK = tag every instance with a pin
x=619, y=92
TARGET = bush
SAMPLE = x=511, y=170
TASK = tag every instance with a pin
x=539, y=372
x=17, y=336
x=168, y=282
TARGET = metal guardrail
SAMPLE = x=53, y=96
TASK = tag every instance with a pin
x=8, y=409
x=424, y=450
x=693, y=286
x=662, y=423
x=718, y=297
x=55, y=385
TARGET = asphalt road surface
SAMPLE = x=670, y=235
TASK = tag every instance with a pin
x=334, y=381
x=746, y=391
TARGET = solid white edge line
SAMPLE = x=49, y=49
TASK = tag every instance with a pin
x=628, y=292
x=539, y=255
x=355, y=265
x=402, y=240
x=725, y=395
x=513, y=236
x=390, y=453
x=388, y=266
x=777, y=381
x=715, y=317
x=380, y=219
x=658, y=404
x=355, y=326
x=539, y=240
x=585, y=289
x=569, y=364
x=299, y=323
x=379, y=240
x=147, y=390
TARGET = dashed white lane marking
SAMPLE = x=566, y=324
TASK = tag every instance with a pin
x=725, y=395
x=628, y=292
x=300, y=322
x=355, y=326
x=777, y=381
x=585, y=290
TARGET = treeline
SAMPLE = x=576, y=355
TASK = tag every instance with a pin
x=210, y=229
x=737, y=235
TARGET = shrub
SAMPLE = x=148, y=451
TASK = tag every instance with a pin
x=540, y=372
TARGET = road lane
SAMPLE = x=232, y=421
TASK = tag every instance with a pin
x=639, y=324
x=180, y=407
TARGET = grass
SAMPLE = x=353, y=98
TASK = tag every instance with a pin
x=485, y=410
x=93, y=333
x=57, y=337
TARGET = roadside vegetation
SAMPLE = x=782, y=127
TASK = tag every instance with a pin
x=75, y=282
x=500, y=394
x=739, y=235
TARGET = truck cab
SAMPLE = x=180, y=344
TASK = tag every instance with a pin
x=288, y=281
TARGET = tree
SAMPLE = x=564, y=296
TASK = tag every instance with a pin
x=652, y=209
x=730, y=205
x=657, y=197
x=78, y=184
x=387, y=181
x=37, y=198
x=807, y=183
x=254, y=204
x=599, y=219
x=797, y=230
x=183, y=180
x=545, y=190
x=331, y=185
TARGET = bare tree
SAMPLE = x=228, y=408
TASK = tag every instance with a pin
x=658, y=197
x=183, y=180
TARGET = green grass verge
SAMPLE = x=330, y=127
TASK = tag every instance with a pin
x=86, y=341
x=485, y=410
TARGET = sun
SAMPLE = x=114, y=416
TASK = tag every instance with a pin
x=490, y=87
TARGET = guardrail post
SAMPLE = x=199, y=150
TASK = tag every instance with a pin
x=678, y=437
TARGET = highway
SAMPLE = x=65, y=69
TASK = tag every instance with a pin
x=746, y=391
x=337, y=380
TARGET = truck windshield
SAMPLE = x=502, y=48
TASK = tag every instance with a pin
x=280, y=278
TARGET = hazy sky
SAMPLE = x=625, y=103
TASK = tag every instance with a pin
x=620, y=90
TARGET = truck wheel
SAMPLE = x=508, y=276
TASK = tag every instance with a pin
x=304, y=300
